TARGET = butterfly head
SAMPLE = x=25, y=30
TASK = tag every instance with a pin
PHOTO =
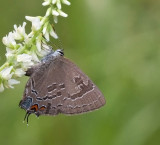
x=51, y=56
x=58, y=52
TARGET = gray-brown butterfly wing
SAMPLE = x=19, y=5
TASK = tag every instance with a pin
x=61, y=87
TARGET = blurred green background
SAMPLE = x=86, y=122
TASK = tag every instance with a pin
x=117, y=44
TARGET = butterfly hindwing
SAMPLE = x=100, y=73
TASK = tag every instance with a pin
x=61, y=87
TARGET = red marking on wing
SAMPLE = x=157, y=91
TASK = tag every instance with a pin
x=42, y=108
x=34, y=107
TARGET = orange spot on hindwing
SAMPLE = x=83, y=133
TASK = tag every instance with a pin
x=34, y=107
x=42, y=108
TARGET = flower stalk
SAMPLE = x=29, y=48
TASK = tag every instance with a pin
x=24, y=50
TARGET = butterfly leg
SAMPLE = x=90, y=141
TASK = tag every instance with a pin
x=27, y=116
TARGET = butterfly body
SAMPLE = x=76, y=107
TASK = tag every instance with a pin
x=57, y=85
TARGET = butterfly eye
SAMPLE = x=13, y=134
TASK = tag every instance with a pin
x=60, y=51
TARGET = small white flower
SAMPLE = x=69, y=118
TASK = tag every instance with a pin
x=34, y=56
x=45, y=31
x=49, y=11
x=62, y=13
x=26, y=65
x=43, y=20
x=27, y=40
x=48, y=30
x=45, y=28
x=46, y=3
x=19, y=33
x=54, y=1
x=46, y=35
x=45, y=50
x=12, y=82
x=10, y=52
x=6, y=73
x=19, y=72
x=36, y=23
x=1, y=87
x=58, y=4
x=26, y=61
x=53, y=33
x=66, y=2
x=55, y=19
x=28, y=50
x=38, y=43
x=24, y=58
x=55, y=13
x=46, y=47
x=30, y=35
x=9, y=40
x=42, y=53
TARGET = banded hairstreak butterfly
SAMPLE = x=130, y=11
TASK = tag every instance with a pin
x=56, y=85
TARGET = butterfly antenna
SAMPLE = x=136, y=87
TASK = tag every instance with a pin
x=59, y=46
x=60, y=43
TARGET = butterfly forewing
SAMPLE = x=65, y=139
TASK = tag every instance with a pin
x=61, y=87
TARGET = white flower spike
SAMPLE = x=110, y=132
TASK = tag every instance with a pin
x=34, y=56
x=55, y=13
x=19, y=33
x=24, y=58
x=25, y=50
x=36, y=23
x=46, y=35
x=49, y=11
x=9, y=40
x=58, y=4
x=62, y=13
x=10, y=52
x=38, y=44
x=55, y=19
x=53, y=33
x=66, y=2
x=12, y=82
x=46, y=3
x=19, y=72
x=6, y=73
x=54, y=1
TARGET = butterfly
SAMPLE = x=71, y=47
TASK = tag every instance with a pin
x=56, y=85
